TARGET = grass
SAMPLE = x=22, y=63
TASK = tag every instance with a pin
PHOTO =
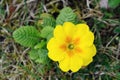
x=15, y=63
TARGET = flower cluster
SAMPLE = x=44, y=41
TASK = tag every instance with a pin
x=72, y=46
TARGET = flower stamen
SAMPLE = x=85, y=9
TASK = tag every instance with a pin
x=70, y=46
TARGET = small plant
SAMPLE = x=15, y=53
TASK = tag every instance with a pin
x=113, y=3
x=38, y=38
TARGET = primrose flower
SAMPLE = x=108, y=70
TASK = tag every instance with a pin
x=72, y=46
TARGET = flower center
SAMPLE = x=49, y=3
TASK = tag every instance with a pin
x=71, y=46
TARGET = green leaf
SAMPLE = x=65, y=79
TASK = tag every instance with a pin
x=39, y=55
x=46, y=20
x=117, y=30
x=66, y=15
x=27, y=36
x=49, y=36
x=118, y=75
x=2, y=11
x=47, y=32
x=40, y=45
x=113, y=3
x=33, y=54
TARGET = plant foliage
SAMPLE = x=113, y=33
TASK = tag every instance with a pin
x=47, y=32
x=117, y=30
x=27, y=36
x=113, y=3
x=39, y=55
x=46, y=20
x=66, y=15
x=40, y=45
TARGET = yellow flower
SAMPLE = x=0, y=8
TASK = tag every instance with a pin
x=72, y=46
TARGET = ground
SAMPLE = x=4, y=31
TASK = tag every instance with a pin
x=15, y=64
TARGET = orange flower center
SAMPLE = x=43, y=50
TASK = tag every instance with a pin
x=71, y=46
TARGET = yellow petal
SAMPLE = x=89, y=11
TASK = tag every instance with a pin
x=87, y=61
x=65, y=64
x=82, y=33
x=87, y=55
x=81, y=30
x=55, y=53
x=85, y=35
x=59, y=32
x=75, y=63
x=88, y=52
x=50, y=44
x=54, y=43
x=87, y=39
x=69, y=28
x=91, y=50
x=56, y=56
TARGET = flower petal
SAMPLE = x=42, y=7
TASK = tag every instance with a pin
x=87, y=61
x=87, y=40
x=56, y=56
x=55, y=53
x=69, y=28
x=88, y=52
x=85, y=35
x=65, y=64
x=75, y=63
x=81, y=30
x=59, y=32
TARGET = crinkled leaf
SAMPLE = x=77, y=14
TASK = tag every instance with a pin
x=39, y=55
x=27, y=36
x=47, y=31
x=66, y=15
x=49, y=36
x=40, y=45
x=33, y=54
x=46, y=20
